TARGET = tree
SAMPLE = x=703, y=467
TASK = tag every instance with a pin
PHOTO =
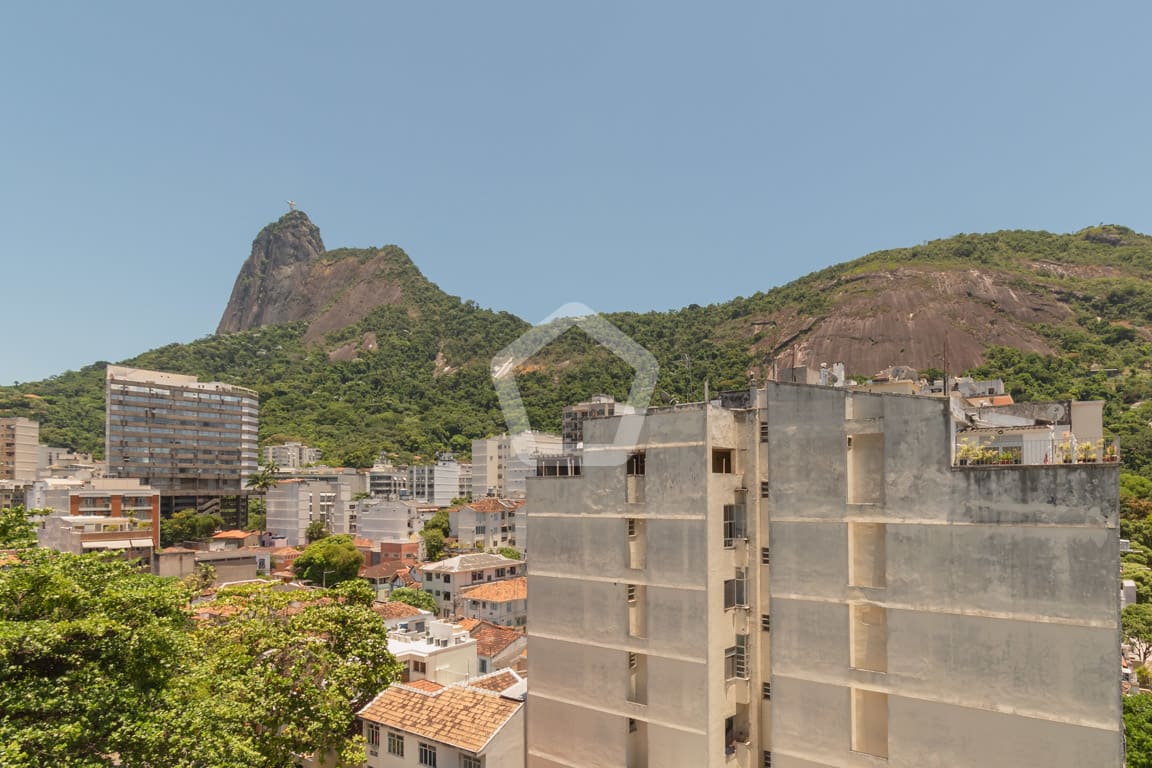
x=316, y=530
x=1136, y=623
x=329, y=561
x=83, y=637
x=98, y=659
x=257, y=515
x=281, y=677
x=509, y=552
x=433, y=543
x=415, y=597
x=188, y=525
x=17, y=528
x=1138, y=730
x=264, y=479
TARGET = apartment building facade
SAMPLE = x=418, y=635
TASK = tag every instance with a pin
x=19, y=449
x=291, y=455
x=189, y=439
x=801, y=577
x=499, y=470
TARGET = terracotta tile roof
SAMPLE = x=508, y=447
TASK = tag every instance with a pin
x=492, y=504
x=424, y=685
x=468, y=624
x=233, y=535
x=394, y=609
x=379, y=571
x=460, y=716
x=497, y=683
x=498, y=591
x=286, y=552
x=492, y=639
x=364, y=543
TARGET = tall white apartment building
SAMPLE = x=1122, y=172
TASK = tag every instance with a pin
x=802, y=577
x=320, y=494
x=19, y=449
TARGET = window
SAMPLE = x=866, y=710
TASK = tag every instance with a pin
x=764, y=556
x=373, y=736
x=765, y=622
x=447, y=578
x=735, y=590
x=631, y=527
x=766, y=690
x=447, y=595
x=419, y=666
x=764, y=431
x=427, y=755
x=500, y=573
x=734, y=524
x=767, y=760
x=636, y=463
x=396, y=744
x=483, y=666
x=467, y=761
x=631, y=593
x=765, y=489
x=632, y=727
x=722, y=461
x=736, y=659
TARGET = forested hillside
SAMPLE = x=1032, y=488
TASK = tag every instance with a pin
x=1049, y=313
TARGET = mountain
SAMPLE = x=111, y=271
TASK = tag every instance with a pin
x=355, y=351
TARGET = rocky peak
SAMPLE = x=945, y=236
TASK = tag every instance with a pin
x=263, y=291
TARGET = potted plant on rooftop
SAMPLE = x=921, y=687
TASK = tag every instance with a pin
x=1085, y=452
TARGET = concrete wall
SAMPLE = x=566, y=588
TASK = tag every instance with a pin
x=998, y=596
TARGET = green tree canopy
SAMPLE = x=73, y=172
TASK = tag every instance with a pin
x=417, y=598
x=1136, y=622
x=433, y=543
x=509, y=552
x=1138, y=730
x=316, y=530
x=188, y=525
x=17, y=528
x=98, y=659
x=329, y=561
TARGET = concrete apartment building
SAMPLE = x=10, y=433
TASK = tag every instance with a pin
x=95, y=506
x=291, y=455
x=194, y=441
x=437, y=483
x=321, y=493
x=19, y=449
x=498, y=470
x=802, y=577
x=489, y=523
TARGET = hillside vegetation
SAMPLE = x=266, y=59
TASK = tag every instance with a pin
x=1046, y=312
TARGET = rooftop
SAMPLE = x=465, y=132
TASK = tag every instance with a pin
x=498, y=591
x=234, y=534
x=493, y=504
x=493, y=639
x=462, y=715
x=469, y=563
x=394, y=609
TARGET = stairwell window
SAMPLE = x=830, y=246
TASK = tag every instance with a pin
x=735, y=590
x=735, y=524
x=636, y=463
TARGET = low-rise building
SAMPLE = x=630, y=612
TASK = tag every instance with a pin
x=232, y=540
x=489, y=523
x=497, y=647
x=433, y=650
x=291, y=455
x=500, y=602
x=445, y=578
x=478, y=724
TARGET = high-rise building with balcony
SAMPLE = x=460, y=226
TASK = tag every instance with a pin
x=803, y=577
x=193, y=441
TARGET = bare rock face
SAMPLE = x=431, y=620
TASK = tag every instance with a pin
x=918, y=317
x=290, y=276
x=267, y=290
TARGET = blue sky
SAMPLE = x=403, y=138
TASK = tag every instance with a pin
x=641, y=155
